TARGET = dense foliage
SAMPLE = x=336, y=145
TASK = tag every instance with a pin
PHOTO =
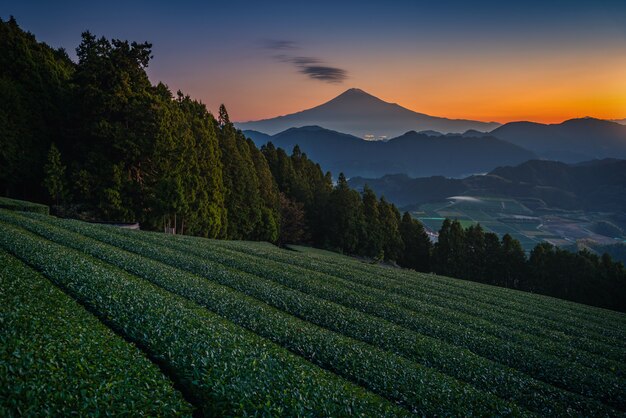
x=245, y=328
x=57, y=359
x=35, y=92
x=480, y=256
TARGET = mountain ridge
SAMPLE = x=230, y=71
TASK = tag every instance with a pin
x=411, y=153
x=360, y=113
x=571, y=141
x=593, y=185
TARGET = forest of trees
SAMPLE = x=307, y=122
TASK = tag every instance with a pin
x=480, y=256
x=98, y=141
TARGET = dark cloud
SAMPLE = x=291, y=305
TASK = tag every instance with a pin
x=309, y=66
x=322, y=73
x=304, y=61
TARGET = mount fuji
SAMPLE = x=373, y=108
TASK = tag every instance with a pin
x=358, y=113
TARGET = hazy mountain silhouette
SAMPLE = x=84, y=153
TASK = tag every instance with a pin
x=359, y=113
x=598, y=185
x=473, y=133
x=574, y=140
x=412, y=153
x=430, y=133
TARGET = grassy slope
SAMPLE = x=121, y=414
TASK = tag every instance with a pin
x=381, y=337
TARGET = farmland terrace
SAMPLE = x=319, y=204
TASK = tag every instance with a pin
x=97, y=319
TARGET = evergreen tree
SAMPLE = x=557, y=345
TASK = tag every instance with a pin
x=35, y=92
x=389, y=219
x=54, y=170
x=116, y=124
x=344, y=224
x=492, y=259
x=448, y=253
x=292, y=221
x=285, y=173
x=202, y=167
x=474, y=254
x=614, y=283
x=241, y=184
x=417, y=245
x=540, y=264
x=302, y=181
x=269, y=227
x=372, y=240
x=513, y=262
x=223, y=118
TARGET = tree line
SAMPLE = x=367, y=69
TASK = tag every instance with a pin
x=337, y=217
x=480, y=256
x=97, y=140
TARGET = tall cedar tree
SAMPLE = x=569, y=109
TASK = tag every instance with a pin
x=389, y=219
x=269, y=227
x=513, y=267
x=448, y=253
x=344, y=218
x=474, y=253
x=492, y=259
x=372, y=240
x=293, y=228
x=417, y=245
x=54, y=172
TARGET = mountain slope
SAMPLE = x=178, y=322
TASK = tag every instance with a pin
x=574, y=140
x=594, y=185
x=412, y=153
x=359, y=113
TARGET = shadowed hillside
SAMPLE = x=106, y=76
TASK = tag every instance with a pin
x=574, y=140
x=413, y=153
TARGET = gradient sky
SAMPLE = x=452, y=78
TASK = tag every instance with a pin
x=500, y=61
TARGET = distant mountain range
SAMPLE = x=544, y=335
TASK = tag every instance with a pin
x=471, y=133
x=358, y=113
x=413, y=154
x=598, y=185
x=361, y=115
x=574, y=140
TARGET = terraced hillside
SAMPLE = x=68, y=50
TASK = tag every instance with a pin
x=98, y=319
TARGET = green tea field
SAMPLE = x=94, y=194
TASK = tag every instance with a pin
x=99, y=320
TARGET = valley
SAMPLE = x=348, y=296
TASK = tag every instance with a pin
x=561, y=228
x=535, y=202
